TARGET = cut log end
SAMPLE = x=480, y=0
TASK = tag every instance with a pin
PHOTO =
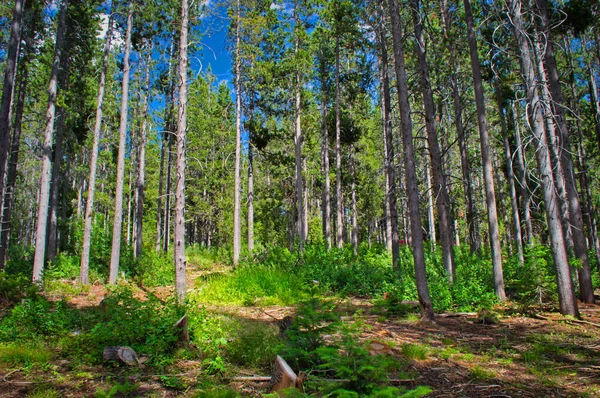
x=284, y=377
x=121, y=354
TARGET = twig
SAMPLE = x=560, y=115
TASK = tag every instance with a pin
x=8, y=374
x=456, y=314
x=251, y=378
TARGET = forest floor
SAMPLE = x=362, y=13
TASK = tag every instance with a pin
x=460, y=355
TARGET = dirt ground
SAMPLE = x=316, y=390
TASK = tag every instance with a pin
x=539, y=355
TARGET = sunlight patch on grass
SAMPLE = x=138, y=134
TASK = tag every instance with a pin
x=415, y=351
x=16, y=355
x=481, y=374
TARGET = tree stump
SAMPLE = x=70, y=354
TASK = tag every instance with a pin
x=121, y=354
x=284, y=377
x=182, y=326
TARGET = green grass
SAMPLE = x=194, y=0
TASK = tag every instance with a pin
x=21, y=355
x=415, y=351
x=251, y=285
x=481, y=374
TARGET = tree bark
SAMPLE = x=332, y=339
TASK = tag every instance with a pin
x=10, y=69
x=44, y=193
x=298, y=155
x=326, y=201
x=471, y=213
x=522, y=176
x=510, y=175
x=409, y=163
x=250, y=194
x=440, y=189
x=179, y=231
x=118, y=216
x=11, y=174
x=141, y=167
x=486, y=159
x=567, y=302
x=586, y=290
x=237, y=228
x=354, y=235
x=339, y=236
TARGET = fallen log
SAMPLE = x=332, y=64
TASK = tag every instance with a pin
x=121, y=354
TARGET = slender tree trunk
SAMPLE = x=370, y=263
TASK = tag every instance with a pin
x=10, y=69
x=439, y=182
x=581, y=158
x=409, y=163
x=141, y=170
x=54, y=184
x=522, y=176
x=250, y=194
x=567, y=302
x=471, y=211
x=179, y=231
x=167, y=213
x=11, y=175
x=159, y=201
x=354, y=207
x=44, y=193
x=430, y=209
x=118, y=216
x=389, y=155
x=326, y=202
x=586, y=290
x=237, y=227
x=510, y=175
x=595, y=102
x=339, y=237
x=486, y=159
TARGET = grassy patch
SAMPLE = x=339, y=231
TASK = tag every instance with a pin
x=415, y=351
x=22, y=355
x=481, y=374
x=252, y=285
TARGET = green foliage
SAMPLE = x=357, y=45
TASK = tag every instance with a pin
x=24, y=355
x=349, y=359
x=314, y=319
x=154, y=269
x=14, y=287
x=217, y=393
x=252, y=344
x=533, y=283
x=117, y=390
x=146, y=325
x=252, y=285
x=36, y=318
x=414, y=351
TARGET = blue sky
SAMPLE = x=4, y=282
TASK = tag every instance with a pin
x=213, y=50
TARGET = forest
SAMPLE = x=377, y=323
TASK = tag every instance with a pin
x=307, y=198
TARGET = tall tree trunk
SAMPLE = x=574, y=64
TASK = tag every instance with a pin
x=141, y=169
x=44, y=193
x=179, y=231
x=167, y=211
x=567, y=302
x=430, y=209
x=595, y=101
x=250, y=194
x=510, y=175
x=11, y=174
x=298, y=157
x=439, y=182
x=581, y=158
x=522, y=176
x=486, y=159
x=159, y=199
x=354, y=207
x=10, y=70
x=326, y=201
x=55, y=182
x=389, y=155
x=339, y=236
x=237, y=227
x=89, y=208
x=471, y=211
x=118, y=216
x=586, y=290
x=409, y=163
